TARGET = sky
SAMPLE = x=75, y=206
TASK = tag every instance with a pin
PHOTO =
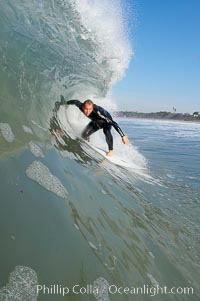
x=165, y=69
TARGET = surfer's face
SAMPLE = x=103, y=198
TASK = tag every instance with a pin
x=87, y=109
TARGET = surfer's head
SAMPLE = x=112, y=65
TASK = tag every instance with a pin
x=88, y=107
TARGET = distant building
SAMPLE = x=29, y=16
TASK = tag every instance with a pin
x=196, y=114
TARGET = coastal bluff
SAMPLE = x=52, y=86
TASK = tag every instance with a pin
x=159, y=115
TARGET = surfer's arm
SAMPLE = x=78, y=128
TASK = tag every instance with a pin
x=65, y=102
x=69, y=102
x=119, y=130
x=75, y=102
x=107, y=117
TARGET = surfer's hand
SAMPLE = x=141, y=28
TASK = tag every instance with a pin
x=57, y=106
x=125, y=140
x=62, y=100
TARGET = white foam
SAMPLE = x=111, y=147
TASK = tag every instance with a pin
x=105, y=23
x=40, y=173
x=35, y=149
x=71, y=120
x=122, y=153
x=92, y=246
x=101, y=287
x=151, y=254
x=7, y=132
x=22, y=285
x=103, y=191
x=27, y=129
x=39, y=126
x=173, y=128
x=153, y=280
x=76, y=226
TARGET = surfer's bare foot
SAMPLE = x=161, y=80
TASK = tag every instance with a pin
x=110, y=153
x=61, y=133
x=54, y=137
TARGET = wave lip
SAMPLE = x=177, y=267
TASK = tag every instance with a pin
x=106, y=25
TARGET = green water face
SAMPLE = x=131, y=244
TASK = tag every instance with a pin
x=102, y=228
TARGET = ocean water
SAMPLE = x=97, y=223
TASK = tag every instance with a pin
x=68, y=217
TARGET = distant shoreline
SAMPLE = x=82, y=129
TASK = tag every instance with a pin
x=159, y=116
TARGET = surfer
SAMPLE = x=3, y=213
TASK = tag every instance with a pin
x=100, y=119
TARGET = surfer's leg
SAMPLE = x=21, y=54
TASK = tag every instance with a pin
x=89, y=130
x=109, y=137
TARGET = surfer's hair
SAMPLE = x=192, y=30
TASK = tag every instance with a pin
x=88, y=102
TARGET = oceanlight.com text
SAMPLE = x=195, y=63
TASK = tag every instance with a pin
x=151, y=290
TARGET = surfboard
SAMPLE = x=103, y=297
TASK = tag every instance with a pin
x=115, y=159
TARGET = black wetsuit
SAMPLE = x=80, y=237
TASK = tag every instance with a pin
x=100, y=119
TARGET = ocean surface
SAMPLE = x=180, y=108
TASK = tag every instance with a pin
x=74, y=226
